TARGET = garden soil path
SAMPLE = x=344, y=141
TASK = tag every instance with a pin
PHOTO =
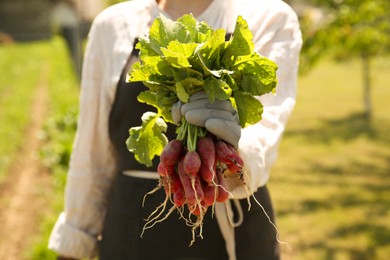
x=23, y=194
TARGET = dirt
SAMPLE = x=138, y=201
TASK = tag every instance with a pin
x=22, y=194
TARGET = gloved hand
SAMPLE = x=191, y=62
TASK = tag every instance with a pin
x=219, y=118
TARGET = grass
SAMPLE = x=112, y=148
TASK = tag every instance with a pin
x=21, y=70
x=57, y=134
x=330, y=184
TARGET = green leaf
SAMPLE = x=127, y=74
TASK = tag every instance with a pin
x=146, y=48
x=229, y=79
x=154, y=85
x=181, y=92
x=253, y=84
x=204, y=31
x=240, y=44
x=138, y=72
x=147, y=140
x=249, y=108
x=210, y=51
x=163, y=31
x=259, y=66
x=188, y=82
x=162, y=100
x=150, y=68
x=190, y=23
x=177, y=53
x=217, y=89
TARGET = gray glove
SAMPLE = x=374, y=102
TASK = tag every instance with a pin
x=219, y=118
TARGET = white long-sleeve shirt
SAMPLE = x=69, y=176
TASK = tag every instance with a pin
x=276, y=35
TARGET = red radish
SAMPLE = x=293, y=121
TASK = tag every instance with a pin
x=165, y=170
x=161, y=170
x=185, y=179
x=195, y=209
x=236, y=158
x=223, y=194
x=233, y=167
x=191, y=185
x=226, y=153
x=191, y=163
x=167, y=185
x=206, y=173
x=175, y=183
x=197, y=186
x=210, y=194
x=172, y=152
x=172, y=184
x=206, y=151
x=222, y=151
x=179, y=198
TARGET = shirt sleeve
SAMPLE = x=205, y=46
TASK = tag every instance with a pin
x=278, y=38
x=91, y=167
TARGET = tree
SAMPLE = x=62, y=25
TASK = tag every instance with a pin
x=348, y=29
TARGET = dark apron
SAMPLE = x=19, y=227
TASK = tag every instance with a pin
x=170, y=239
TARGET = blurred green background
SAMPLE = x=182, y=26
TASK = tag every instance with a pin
x=330, y=185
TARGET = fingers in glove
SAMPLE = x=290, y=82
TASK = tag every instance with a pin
x=198, y=95
x=200, y=116
x=228, y=131
x=175, y=111
x=224, y=105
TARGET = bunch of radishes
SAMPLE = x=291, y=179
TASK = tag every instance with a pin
x=193, y=177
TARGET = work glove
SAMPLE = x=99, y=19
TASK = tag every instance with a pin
x=219, y=118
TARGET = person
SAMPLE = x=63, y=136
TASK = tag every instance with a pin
x=103, y=215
